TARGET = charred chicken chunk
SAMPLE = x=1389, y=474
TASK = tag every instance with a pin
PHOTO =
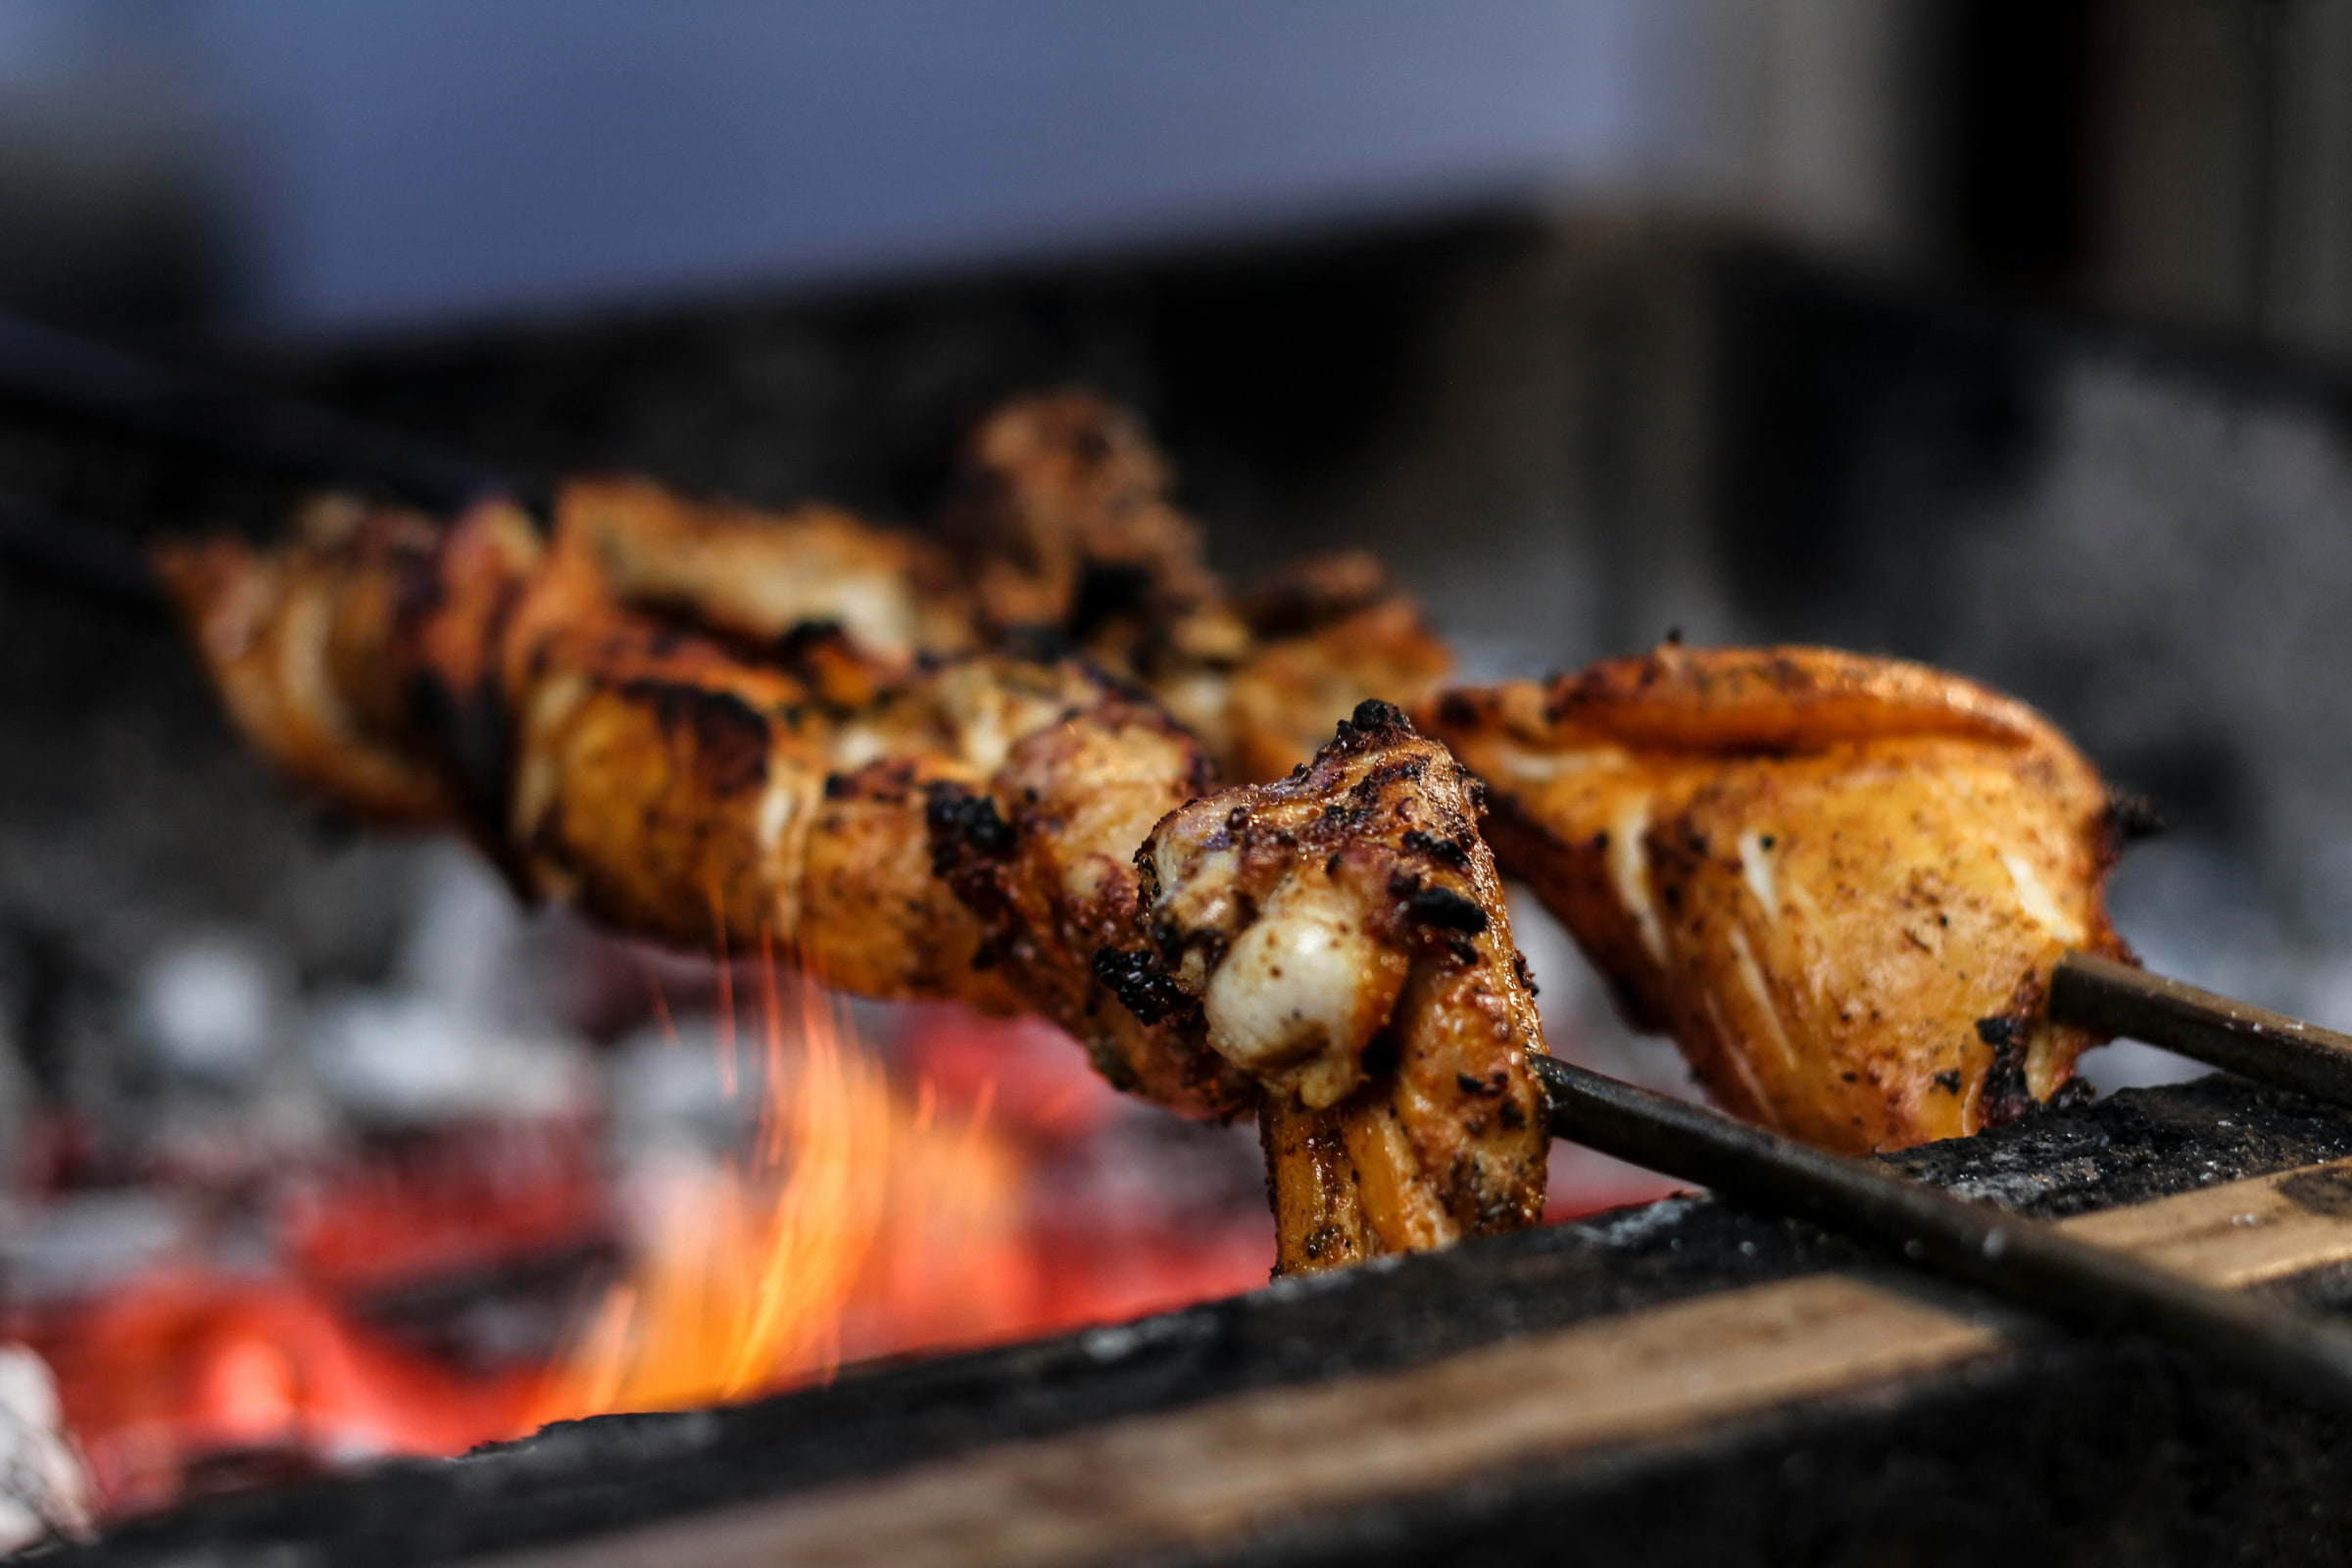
x=1326, y=634
x=1064, y=520
x=1839, y=882
x=1062, y=517
x=1342, y=934
x=1044, y=852
x=761, y=574
x=286, y=637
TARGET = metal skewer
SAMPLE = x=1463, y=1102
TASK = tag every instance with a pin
x=2018, y=1259
x=225, y=420
x=2116, y=999
x=86, y=556
x=232, y=420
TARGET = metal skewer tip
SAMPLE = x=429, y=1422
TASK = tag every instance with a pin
x=2117, y=999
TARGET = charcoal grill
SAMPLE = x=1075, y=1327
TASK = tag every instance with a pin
x=1666, y=1383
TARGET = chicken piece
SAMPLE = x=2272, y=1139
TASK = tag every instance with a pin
x=1065, y=519
x=763, y=576
x=680, y=795
x=691, y=791
x=661, y=782
x=1343, y=936
x=1839, y=882
x=284, y=637
x=1326, y=634
x=1044, y=851
x=1062, y=517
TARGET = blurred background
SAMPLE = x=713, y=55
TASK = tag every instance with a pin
x=2009, y=336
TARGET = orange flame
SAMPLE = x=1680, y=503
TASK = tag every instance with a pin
x=854, y=1226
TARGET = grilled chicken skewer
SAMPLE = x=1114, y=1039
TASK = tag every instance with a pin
x=1841, y=883
x=1920, y=815
x=961, y=826
x=1310, y=928
x=667, y=782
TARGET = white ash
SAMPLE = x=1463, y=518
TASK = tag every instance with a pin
x=477, y=951
x=214, y=1004
x=78, y=1247
x=670, y=1088
x=1623, y=1227
x=456, y=1031
x=45, y=1494
x=393, y=1060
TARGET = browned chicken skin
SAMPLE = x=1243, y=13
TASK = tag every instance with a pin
x=1061, y=517
x=1326, y=633
x=1065, y=519
x=1840, y=882
x=1061, y=524
x=1343, y=935
x=1044, y=851
x=761, y=574
x=280, y=634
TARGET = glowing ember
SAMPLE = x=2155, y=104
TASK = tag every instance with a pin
x=185, y=1381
